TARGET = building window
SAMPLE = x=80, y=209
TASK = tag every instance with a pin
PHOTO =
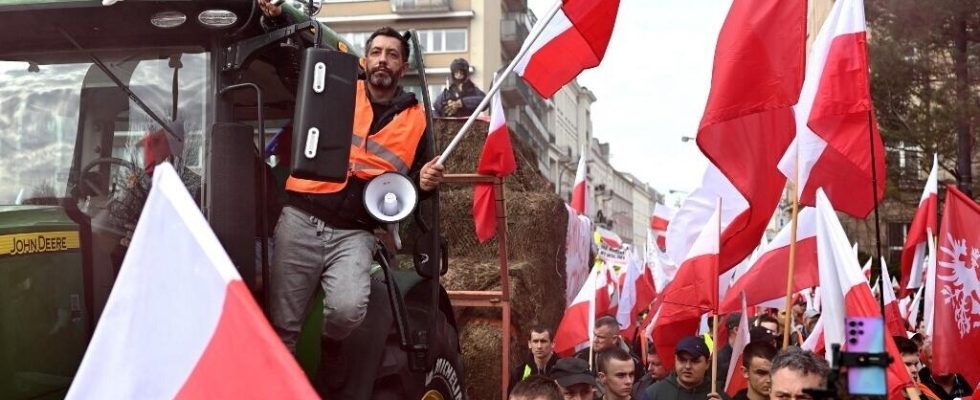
x=443, y=40
x=436, y=90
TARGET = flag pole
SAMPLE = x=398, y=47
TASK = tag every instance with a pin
x=714, y=324
x=792, y=251
x=792, y=265
x=495, y=87
x=874, y=196
x=714, y=358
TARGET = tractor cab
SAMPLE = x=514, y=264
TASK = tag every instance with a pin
x=92, y=97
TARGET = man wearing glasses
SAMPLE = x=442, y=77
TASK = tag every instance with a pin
x=606, y=337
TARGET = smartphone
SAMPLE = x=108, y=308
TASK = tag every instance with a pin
x=866, y=335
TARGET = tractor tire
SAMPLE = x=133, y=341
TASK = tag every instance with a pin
x=444, y=378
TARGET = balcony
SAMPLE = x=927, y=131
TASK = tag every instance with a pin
x=419, y=6
x=514, y=28
x=515, y=92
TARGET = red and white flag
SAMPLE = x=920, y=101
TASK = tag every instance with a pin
x=747, y=125
x=662, y=214
x=580, y=198
x=956, y=330
x=637, y=291
x=574, y=40
x=914, y=309
x=832, y=146
x=180, y=322
x=893, y=315
x=923, y=224
x=578, y=322
x=845, y=292
x=497, y=159
x=661, y=266
x=765, y=280
x=692, y=293
x=736, y=381
x=608, y=238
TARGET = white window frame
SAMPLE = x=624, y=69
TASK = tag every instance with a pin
x=428, y=48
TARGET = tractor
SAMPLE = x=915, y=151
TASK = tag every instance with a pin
x=92, y=96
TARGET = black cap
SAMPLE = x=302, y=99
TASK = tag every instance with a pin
x=693, y=345
x=572, y=371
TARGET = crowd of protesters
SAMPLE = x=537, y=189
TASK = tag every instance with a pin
x=612, y=368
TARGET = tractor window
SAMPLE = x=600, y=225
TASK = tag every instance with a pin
x=38, y=117
x=67, y=132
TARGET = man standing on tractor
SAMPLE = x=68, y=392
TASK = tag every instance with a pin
x=325, y=235
x=461, y=96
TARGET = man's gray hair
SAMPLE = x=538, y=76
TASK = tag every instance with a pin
x=802, y=361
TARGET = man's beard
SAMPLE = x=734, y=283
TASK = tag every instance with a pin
x=382, y=78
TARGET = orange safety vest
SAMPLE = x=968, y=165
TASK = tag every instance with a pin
x=390, y=149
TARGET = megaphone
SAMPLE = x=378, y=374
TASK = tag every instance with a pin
x=390, y=197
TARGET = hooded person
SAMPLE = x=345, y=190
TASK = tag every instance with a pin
x=461, y=97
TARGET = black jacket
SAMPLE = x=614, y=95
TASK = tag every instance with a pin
x=517, y=374
x=469, y=94
x=669, y=389
x=960, y=387
x=724, y=361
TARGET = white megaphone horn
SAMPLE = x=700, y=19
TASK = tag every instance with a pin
x=390, y=197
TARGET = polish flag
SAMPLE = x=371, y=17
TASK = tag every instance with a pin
x=832, y=144
x=956, y=330
x=914, y=309
x=923, y=224
x=179, y=322
x=575, y=39
x=497, y=159
x=845, y=293
x=580, y=199
x=662, y=214
x=893, y=315
x=578, y=322
x=664, y=270
x=866, y=270
x=686, y=298
x=636, y=293
x=736, y=381
x=609, y=238
x=766, y=279
x=747, y=125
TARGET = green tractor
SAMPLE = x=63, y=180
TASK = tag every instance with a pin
x=91, y=98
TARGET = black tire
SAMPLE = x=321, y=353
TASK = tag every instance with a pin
x=443, y=380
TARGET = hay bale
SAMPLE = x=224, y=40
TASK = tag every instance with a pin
x=536, y=226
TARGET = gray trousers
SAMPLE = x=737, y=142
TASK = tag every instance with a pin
x=309, y=253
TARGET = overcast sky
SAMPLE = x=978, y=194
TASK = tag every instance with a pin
x=652, y=87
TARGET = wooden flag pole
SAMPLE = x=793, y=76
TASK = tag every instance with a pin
x=714, y=295
x=714, y=358
x=792, y=264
